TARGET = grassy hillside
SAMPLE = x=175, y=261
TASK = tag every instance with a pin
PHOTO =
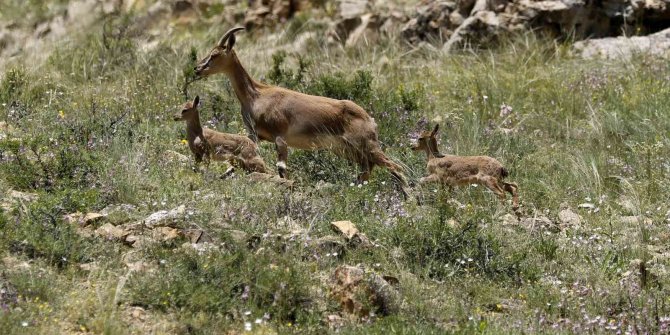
x=91, y=129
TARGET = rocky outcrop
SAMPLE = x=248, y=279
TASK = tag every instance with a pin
x=657, y=44
x=455, y=24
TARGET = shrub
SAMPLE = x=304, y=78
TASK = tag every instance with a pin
x=221, y=282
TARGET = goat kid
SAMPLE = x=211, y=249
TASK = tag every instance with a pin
x=206, y=143
x=464, y=170
x=292, y=119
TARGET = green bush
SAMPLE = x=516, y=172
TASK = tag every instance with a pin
x=224, y=282
x=40, y=231
x=12, y=85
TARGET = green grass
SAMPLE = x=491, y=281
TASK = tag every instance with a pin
x=91, y=126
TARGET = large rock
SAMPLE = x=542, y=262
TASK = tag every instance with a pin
x=657, y=44
x=477, y=22
x=360, y=292
x=165, y=218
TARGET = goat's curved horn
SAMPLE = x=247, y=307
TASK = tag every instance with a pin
x=227, y=35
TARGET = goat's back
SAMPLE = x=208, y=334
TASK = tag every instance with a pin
x=466, y=166
x=228, y=143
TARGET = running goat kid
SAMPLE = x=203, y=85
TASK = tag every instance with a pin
x=206, y=143
x=464, y=170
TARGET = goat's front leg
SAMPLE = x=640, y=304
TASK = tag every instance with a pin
x=282, y=156
x=364, y=175
x=433, y=178
x=196, y=164
x=250, y=126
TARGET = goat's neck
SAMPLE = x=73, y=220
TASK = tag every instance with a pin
x=246, y=89
x=193, y=127
x=429, y=153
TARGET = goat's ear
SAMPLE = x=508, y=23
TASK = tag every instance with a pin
x=231, y=43
x=196, y=101
x=437, y=127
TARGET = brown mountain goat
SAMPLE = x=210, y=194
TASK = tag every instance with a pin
x=292, y=119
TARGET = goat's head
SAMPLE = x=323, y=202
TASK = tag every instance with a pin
x=221, y=58
x=189, y=110
x=427, y=141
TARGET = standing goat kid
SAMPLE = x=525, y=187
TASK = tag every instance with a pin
x=464, y=170
x=206, y=143
x=292, y=119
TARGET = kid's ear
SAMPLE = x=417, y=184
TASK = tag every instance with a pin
x=196, y=101
x=437, y=127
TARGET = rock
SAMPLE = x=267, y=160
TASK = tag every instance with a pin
x=509, y=220
x=111, y=232
x=326, y=246
x=569, y=218
x=353, y=8
x=240, y=237
x=172, y=156
x=8, y=294
x=539, y=222
x=481, y=28
x=22, y=196
x=264, y=177
x=138, y=241
x=82, y=219
x=201, y=248
x=165, y=234
x=351, y=233
x=360, y=292
x=14, y=198
x=92, y=266
x=197, y=236
x=346, y=228
x=335, y=321
x=622, y=47
x=270, y=12
x=361, y=21
x=6, y=130
x=165, y=218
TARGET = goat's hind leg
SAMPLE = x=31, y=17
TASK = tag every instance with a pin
x=493, y=184
x=282, y=156
x=512, y=188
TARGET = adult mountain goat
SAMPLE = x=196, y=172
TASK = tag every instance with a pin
x=292, y=119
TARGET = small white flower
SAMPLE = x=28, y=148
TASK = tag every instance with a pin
x=258, y=321
x=352, y=184
x=24, y=324
x=360, y=185
x=365, y=182
x=247, y=313
x=247, y=326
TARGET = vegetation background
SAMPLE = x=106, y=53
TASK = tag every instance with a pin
x=86, y=128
